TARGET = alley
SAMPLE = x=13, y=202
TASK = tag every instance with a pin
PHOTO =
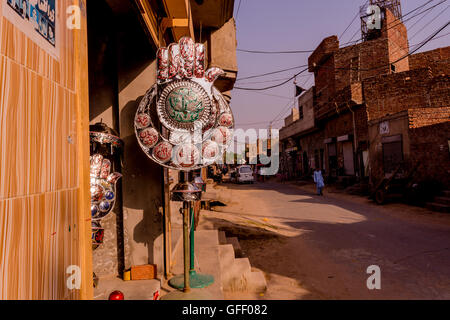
x=312, y=247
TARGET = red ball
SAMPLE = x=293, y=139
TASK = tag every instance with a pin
x=116, y=295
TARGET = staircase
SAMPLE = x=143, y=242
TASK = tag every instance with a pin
x=220, y=257
x=236, y=271
x=441, y=203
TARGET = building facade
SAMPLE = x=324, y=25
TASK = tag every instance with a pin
x=374, y=102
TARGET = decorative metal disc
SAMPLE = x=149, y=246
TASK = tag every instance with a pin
x=183, y=103
x=195, y=123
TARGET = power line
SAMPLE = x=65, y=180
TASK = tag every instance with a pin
x=239, y=6
x=274, y=52
x=432, y=20
x=310, y=51
x=255, y=123
x=350, y=24
x=419, y=46
x=272, y=95
x=444, y=35
x=405, y=56
x=421, y=18
x=274, y=80
x=269, y=73
x=284, y=70
x=405, y=15
x=274, y=86
x=283, y=111
x=357, y=69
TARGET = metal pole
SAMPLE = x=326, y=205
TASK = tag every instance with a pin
x=191, y=210
x=186, y=210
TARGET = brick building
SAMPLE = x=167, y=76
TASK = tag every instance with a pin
x=375, y=104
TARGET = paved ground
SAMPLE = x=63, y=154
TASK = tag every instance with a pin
x=312, y=247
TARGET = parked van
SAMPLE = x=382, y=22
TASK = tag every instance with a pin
x=244, y=174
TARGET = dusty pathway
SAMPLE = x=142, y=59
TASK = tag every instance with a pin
x=312, y=247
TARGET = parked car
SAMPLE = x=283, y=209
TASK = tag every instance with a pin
x=244, y=174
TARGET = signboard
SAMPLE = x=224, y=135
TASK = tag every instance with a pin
x=37, y=19
x=384, y=127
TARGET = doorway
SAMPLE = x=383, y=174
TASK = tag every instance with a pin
x=349, y=164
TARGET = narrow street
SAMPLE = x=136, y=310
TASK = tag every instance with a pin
x=312, y=247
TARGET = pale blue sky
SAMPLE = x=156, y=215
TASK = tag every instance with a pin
x=280, y=25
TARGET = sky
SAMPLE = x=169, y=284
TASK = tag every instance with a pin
x=285, y=25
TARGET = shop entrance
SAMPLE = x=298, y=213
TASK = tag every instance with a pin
x=349, y=164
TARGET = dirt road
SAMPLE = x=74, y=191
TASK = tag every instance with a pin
x=313, y=247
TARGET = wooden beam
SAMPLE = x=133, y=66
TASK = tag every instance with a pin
x=174, y=23
x=150, y=19
x=84, y=197
x=180, y=10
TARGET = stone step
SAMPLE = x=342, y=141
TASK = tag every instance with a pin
x=207, y=258
x=236, y=246
x=226, y=256
x=235, y=278
x=207, y=238
x=438, y=207
x=256, y=282
x=222, y=238
x=442, y=200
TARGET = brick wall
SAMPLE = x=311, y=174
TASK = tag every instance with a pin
x=398, y=45
x=438, y=60
x=421, y=117
x=430, y=149
x=389, y=94
x=326, y=48
x=343, y=124
x=325, y=81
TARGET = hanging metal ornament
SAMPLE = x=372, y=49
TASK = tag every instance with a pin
x=184, y=122
x=103, y=187
x=104, y=143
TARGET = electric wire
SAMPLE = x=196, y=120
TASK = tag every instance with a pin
x=288, y=69
x=270, y=73
x=274, y=86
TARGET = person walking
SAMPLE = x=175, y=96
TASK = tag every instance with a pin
x=318, y=179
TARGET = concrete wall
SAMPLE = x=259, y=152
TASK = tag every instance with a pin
x=103, y=106
x=122, y=70
x=294, y=125
x=222, y=53
x=142, y=178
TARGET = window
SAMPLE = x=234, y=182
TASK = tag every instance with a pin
x=393, y=68
x=245, y=170
x=300, y=112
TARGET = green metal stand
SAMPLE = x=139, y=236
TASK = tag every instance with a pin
x=194, y=280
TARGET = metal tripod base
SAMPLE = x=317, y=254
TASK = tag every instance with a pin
x=196, y=281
